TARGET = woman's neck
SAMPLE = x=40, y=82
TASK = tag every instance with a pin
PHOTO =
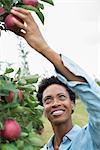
x=60, y=131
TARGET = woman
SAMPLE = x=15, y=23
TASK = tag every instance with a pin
x=66, y=135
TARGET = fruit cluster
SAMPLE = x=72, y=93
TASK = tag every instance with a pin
x=6, y=18
x=20, y=112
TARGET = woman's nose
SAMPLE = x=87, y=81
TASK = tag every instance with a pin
x=55, y=103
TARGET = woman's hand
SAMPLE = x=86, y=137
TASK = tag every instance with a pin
x=31, y=33
x=29, y=30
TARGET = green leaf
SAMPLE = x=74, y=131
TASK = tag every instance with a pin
x=8, y=147
x=19, y=71
x=28, y=147
x=40, y=15
x=22, y=82
x=4, y=92
x=0, y=4
x=20, y=144
x=36, y=10
x=24, y=134
x=7, y=85
x=8, y=70
x=40, y=6
x=21, y=109
x=7, y=4
x=2, y=77
x=30, y=126
x=28, y=87
x=48, y=1
x=39, y=107
x=31, y=78
x=10, y=105
x=1, y=20
x=35, y=140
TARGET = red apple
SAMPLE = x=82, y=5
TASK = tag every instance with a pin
x=2, y=10
x=10, y=24
x=20, y=96
x=10, y=97
x=34, y=3
x=12, y=130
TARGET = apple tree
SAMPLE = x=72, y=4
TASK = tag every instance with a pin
x=20, y=111
x=6, y=18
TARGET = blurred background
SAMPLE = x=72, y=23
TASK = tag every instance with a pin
x=71, y=27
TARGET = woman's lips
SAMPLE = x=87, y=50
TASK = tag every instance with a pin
x=57, y=112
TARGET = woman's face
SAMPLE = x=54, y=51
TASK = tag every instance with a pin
x=57, y=104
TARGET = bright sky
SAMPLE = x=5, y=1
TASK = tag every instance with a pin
x=72, y=27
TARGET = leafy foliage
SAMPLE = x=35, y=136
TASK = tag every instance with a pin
x=26, y=112
x=23, y=54
x=6, y=6
x=23, y=107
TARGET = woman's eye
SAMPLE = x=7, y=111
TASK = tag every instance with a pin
x=62, y=97
x=47, y=100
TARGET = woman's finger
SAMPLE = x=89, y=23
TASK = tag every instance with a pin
x=23, y=14
x=21, y=10
x=20, y=24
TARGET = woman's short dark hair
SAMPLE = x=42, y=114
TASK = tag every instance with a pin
x=49, y=81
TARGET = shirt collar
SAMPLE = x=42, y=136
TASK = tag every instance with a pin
x=73, y=132
x=70, y=135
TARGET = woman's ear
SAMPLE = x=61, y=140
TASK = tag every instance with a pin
x=73, y=107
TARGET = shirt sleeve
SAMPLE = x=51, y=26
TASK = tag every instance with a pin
x=89, y=93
